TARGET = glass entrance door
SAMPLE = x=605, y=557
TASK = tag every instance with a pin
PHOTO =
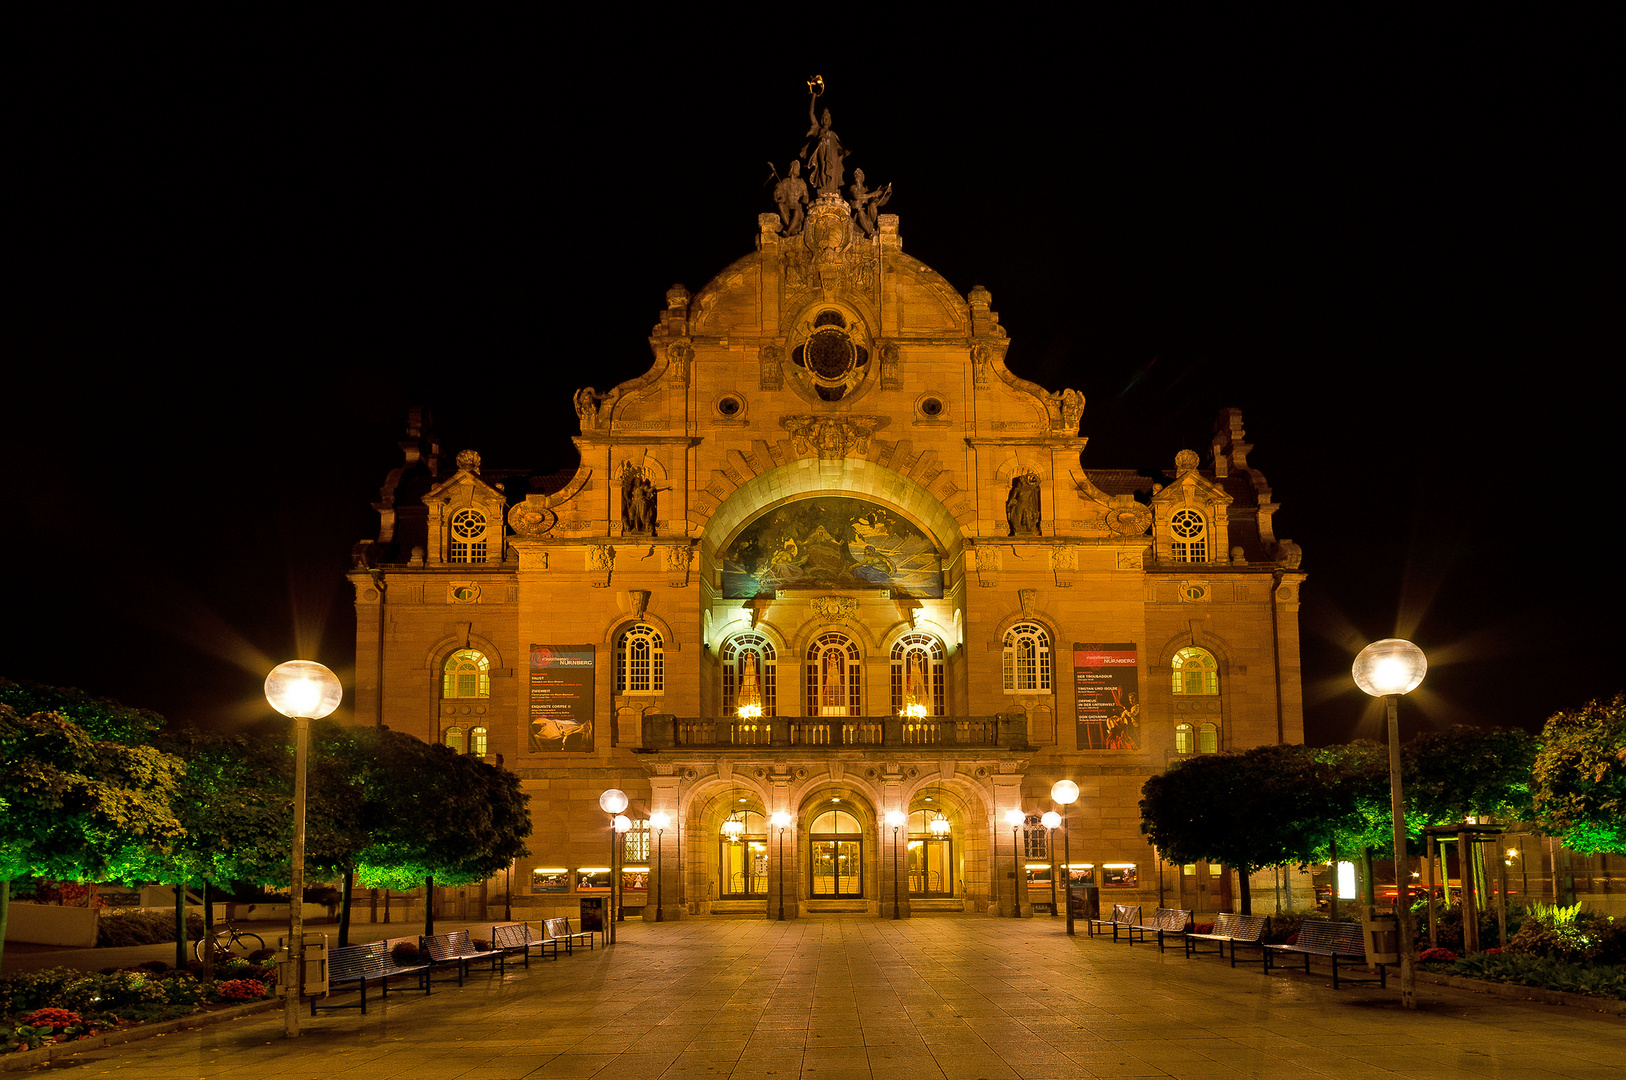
x=836, y=853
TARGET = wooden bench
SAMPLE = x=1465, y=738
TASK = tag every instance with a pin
x=1248, y=930
x=1164, y=922
x=559, y=930
x=519, y=939
x=1335, y=940
x=1124, y=916
x=456, y=949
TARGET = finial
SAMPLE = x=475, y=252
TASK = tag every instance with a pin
x=815, y=85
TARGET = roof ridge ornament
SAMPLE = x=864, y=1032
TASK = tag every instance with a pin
x=826, y=166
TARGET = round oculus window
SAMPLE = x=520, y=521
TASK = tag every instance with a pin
x=931, y=407
x=730, y=406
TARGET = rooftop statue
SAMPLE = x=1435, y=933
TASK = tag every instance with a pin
x=867, y=204
x=791, y=195
x=824, y=166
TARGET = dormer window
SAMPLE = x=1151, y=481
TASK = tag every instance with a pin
x=468, y=539
x=1190, y=541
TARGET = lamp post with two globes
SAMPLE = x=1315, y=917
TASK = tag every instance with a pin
x=1065, y=792
x=1388, y=669
x=1051, y=821
x=301, y=690
x=612, y=802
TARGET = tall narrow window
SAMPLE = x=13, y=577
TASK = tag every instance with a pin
x=468, y=539
x=931, y=854
x=454, y=739
x=1190, y=542
x=1195, y=672
x=640, y=666
x=1208, y=739
x=635, y=843
x=466, y=674
x=1027, y=659
x=917, y=674
x=477, y=741
x=743, y=857
x=749, y=674
x=835, y=678
x=1184, y=741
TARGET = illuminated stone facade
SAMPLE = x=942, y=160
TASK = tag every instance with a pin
x=829, y=500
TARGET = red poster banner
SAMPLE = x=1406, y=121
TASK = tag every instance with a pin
x=1106, y=689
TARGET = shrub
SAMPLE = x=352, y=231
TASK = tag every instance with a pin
x=1570, y=935
x=405, y=953
x=1596, y=980
x=260, y=956
x=1437, y=956
x=156, y=966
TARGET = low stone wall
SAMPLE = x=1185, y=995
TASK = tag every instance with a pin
x=49, y=924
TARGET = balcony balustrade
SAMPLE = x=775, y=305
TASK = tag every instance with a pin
x=1006, y=731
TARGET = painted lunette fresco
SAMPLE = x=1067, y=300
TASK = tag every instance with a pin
x=832, y=542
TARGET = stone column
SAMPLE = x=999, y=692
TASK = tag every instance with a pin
x=1005, y=857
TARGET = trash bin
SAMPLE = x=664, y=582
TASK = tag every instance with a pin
x=1382, y=936
x=592, y=918
x=315, y=980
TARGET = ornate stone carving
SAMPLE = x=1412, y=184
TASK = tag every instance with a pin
x=639, y=511
x=593, y=409
x=639, y=598
x=831, y=609
x=832, y=438
x=678, y=355
x=1022, y=505
x=469, y=461
x=1131, y=560
x=890, y=379
x=1065, y=407
x=772, y=374
x=982, y=361
x=1186, y=461
x=1064, y=557
x=790, y=195
x=1129, y=520
x=867, y=204
x=1029, y=599
x=600, y=565
x=677, y=558
x=1288, y=554
x=985, y=561
x=530, y=518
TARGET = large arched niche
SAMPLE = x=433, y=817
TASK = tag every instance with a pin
x=856, y=479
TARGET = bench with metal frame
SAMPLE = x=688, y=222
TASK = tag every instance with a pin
x=1243, y=930
x=1337, y=941
x=1124, y=916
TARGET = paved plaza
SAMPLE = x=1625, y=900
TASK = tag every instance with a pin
x=920, y=999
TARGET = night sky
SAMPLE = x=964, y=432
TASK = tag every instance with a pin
x=1398, y=254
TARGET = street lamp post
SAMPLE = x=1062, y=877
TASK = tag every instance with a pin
x=1014, y=819
x=1065, y=792
x=1388, y=669
x=612, y=802
x=895, y=818
x=781, y=821
x=301, y=690
x=1050, y=821
x=660, y=821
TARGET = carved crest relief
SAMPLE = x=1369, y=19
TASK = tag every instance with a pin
x=831, y=609
x=529, y=519
x=830, y=437
x=1131, y=520
x=772, y=375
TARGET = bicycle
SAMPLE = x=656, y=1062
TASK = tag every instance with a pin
x=226, y=940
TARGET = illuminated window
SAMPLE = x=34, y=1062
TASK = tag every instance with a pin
x=1185, y=740
x=749, y=674
x=468, y=539
x=1190, y=531
x=1035, y=839
x=1195, y=672
x=1203, y=739
x=477, y=741
x=1027, y=659
x=466, y=674
x=454, y=739
x=917, y=674
x=835, y=678
x=1208, y=739
x=635, y=843
x=640, y=661
x=743, y=857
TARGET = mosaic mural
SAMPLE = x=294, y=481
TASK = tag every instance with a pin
x=832, y=543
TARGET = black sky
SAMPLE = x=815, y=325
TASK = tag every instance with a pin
x=1397, y=252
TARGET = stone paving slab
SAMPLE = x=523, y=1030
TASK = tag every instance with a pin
x=865, y=999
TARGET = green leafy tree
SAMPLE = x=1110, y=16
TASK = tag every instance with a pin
x=1462, y=771
x=78, y=807
x=1247, y=809
x=1580, y=777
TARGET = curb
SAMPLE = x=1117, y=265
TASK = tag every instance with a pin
x=30, y=1058
x=1519, y=992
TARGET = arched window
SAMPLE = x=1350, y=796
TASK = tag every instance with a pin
x=917, y=674
x=836, y=853
x=467, y=543
x=931, y=855
x=466, y=674
x=477, y=741
x=835, y=679
x=1190, y=541
x=1195, y=672
x=744, y=859
x=454, y=739
x=749, y=667
x=1027, y=659
x=1184, y=739
x=1208, y=739
x=640, y=661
